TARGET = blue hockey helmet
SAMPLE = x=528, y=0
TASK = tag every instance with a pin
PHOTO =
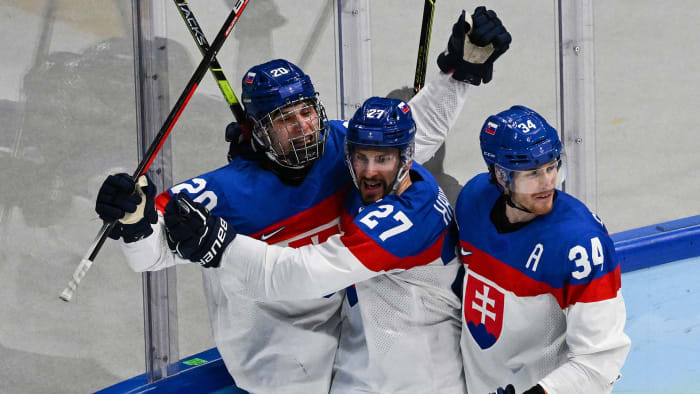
x=519, y=139
x=272, y=85
x=382, y=123
x=289, y=120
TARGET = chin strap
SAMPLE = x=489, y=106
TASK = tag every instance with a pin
x=400, y=176
x=288, y=176
x=510, y=203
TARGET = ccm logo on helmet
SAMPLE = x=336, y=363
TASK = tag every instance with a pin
x=216, y=246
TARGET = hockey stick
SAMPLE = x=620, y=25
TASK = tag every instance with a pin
x=424, y=45
x=214, y=66
x=158, y=142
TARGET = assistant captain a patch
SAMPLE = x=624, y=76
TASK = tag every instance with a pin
x=483, y=310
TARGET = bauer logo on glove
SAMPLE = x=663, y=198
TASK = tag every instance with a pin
x=193, y=233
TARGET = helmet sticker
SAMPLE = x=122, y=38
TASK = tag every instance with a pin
x=250, y=77
x=491, y=128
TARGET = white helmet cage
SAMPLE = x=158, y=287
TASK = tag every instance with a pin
x=300, y=135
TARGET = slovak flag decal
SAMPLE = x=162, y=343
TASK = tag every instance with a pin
x=250, y=77
x=403, y=107
x=491, y=128
x=483, y=311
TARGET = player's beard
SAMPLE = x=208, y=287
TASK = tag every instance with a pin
x=371, y=194
x=537, y=203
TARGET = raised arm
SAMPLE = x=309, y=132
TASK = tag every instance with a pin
x=475, y=44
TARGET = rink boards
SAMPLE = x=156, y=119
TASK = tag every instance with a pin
x=661, y=286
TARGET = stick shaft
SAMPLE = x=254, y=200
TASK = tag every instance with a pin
x=158, y=141
x=214, y=67
x=424, y=45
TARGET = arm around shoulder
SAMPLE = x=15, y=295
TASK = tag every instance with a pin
x=263, y=271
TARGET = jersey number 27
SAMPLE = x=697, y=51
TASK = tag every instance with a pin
x=382, y=211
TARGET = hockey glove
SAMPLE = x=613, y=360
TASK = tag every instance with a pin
x=131, y=204
x=194, y=234
x=536, y=389
x=470, y=57
x=238, y=137
x=508, y=390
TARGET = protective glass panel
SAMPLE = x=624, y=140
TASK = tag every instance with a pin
x=646, y=102
x=68, y=119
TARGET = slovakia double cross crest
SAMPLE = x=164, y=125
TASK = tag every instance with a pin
x=483, y=310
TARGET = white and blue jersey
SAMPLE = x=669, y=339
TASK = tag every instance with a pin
x=401, y=324
x=541, y=304
x=275, y=346
x=286, y=346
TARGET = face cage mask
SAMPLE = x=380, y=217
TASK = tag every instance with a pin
x=294, y=135
x=405, y=156
x=531, y=181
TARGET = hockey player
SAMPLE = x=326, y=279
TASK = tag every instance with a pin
x=542, y=306
x=288, y=193
x=401, y=326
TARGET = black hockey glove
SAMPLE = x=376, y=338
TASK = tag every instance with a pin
x=536, y=389
x=194, y=234
x=131, y=204
x=238, y=137
x=471, y=56
x=508, y=390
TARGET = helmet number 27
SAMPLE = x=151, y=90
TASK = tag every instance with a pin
x=374, y=113
x=383, y=211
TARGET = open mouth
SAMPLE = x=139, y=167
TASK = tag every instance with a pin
x=372, y=186
x=544, y=195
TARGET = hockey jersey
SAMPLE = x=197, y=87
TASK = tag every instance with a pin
x=280, y=346
x=285, y=346
x=541, y=304
x=401, y=324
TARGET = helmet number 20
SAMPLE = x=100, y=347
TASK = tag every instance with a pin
x=579, y=255
x=382, y=212
x=276, y=72
x=526, y=127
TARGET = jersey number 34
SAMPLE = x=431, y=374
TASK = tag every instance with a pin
x=579, y=256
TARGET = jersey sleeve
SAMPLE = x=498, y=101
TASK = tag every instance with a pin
x=381, y=239
x=151, y=253
x=269, y=272
x=436, y=108
x=595, y=320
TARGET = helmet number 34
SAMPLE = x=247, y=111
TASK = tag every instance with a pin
x=527, y=126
